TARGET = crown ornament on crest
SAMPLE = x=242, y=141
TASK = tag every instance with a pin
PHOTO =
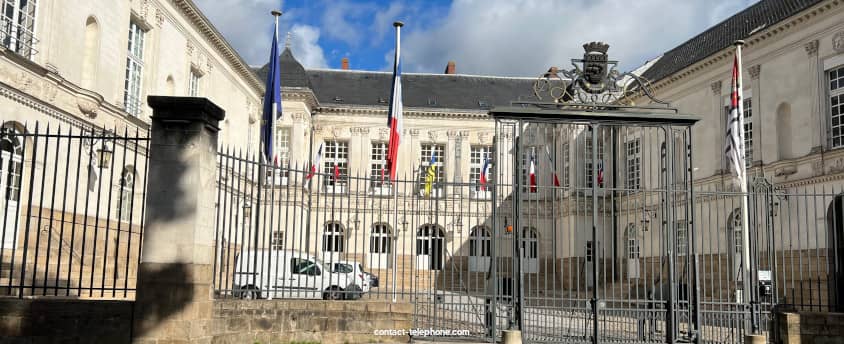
x=596, y=47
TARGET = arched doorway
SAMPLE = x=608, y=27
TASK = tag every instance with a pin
x=380, y=246
x=479, y=249
x=333, y=241
x=11, y=165
x=430, y=244
x=835, y=254
x=530, y=251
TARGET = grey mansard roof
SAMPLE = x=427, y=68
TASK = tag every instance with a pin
x=760, y=15
x=364, y=88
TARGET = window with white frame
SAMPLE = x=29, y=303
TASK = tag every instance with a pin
x=193, y=83
x=478, y=157
x=479, y=242
x=336, y=160
x=378, y=174
x=682, y=237
x=134, y=70
x=18, y=26
x=381, y=240
x=438, y=152
x=836, y=106
x=333, y=239
x=277, y=241
x=282, y=142
x=592, y=166
x=634, y=163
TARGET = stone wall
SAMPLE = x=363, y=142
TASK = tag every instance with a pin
x=811, y=327
x=65, y=321
x=283, y=321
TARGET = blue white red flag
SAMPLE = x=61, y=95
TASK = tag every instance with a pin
x=272, y=104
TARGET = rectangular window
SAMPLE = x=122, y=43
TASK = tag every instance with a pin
x=564, y=175
x=18, y=26
x=591, y=166
x=589, y=251
x=134, y=70
x=378, y=174
x=193, y=84
x=478, y=156
x=282, y=142
x=682, y=239
x=277, y=241
x=632, y=248
x=336, y=162
x=634, y=164
x=836, y=106
x=429, y=150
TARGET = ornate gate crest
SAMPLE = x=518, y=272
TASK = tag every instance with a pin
x=593, y=80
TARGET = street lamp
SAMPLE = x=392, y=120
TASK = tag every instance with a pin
x=104, y=153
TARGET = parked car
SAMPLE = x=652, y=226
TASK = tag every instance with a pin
x=354, y=271
x=290, y=274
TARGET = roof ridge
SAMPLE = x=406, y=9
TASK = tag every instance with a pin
x=357, y=71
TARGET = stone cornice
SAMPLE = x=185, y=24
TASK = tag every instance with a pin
x=717, y=58
x=417, y=113
x=301, y=94
x=216, y=39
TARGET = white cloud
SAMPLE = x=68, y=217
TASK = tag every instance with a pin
x=305, y=46
x=525, y=37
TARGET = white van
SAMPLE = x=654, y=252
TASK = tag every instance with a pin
x=289, y=274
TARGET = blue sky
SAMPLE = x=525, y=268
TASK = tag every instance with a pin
x=490, y=37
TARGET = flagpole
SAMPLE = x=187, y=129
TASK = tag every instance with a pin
x=394, y=164
x=745, y=240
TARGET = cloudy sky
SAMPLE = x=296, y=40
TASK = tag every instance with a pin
x=490, y=37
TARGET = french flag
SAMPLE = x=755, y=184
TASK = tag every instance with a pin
x=316, y=162
x=484, y=172
x=553, y=167
x=533, y=173
x=601, y=173
x=394, y=118
x=272, y=103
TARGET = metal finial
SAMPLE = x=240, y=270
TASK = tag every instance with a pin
x=398, y=24
x=276, y=13
x=739, y=42
x=287, y=41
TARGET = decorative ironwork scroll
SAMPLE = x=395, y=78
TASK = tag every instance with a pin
x=593, y=80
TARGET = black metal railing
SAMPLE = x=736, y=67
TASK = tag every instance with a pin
x=71, y=215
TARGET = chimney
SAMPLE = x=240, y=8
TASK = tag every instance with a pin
x=345, y=63
x=450, y=68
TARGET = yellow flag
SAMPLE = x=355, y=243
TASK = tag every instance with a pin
x=430, y=175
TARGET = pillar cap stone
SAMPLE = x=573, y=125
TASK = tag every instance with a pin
x=186, y=109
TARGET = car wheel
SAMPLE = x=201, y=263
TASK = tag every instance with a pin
x=249, y=293
x=354, y=292
x=333, y=293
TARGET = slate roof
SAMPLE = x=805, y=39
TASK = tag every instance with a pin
x=760, y=15
x=446, y=91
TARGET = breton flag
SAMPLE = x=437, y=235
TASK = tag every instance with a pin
x=272, y=102
x=532, y=173
x=431, y=174
x=394, y=117
x=484, y=172
x=553, y=168
x=316, y=162
x=734, y=148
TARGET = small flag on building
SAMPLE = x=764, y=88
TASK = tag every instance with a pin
x=553, y=167
x=394, y=117
x=533, y=187
x=316, y=162
x=336, y=173
x=431, y=174
x=484, y=172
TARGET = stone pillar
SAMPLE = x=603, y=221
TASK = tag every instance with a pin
x=174, y=288
x=718, y=109
x=818, y=123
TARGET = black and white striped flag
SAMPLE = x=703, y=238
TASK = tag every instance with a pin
x=734, y=148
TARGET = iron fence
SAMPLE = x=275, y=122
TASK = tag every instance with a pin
x=72, y=210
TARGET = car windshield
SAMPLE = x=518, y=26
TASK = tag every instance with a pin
x=343, y=268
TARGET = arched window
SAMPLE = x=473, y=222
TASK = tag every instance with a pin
x=333, y=238
x=479, y=242
x=91, y=55
x=127, y=190
x=11, y=165
x=380, y=241
x=430, y=242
